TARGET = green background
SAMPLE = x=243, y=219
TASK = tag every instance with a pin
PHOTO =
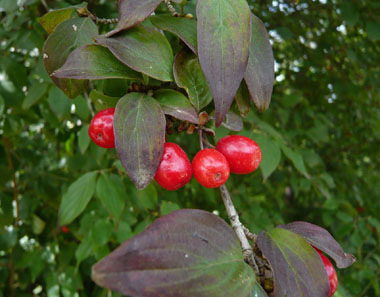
x=320, y=140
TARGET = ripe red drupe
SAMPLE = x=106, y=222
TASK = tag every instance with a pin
x=101, y=128
x=333, y=278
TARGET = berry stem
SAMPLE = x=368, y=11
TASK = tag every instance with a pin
x=238, y=227
x=171, y=8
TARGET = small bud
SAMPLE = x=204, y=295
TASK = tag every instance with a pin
x=191, y=129
x=188, y=16
x=203, y=118
x=82, y=11
x=135, y=87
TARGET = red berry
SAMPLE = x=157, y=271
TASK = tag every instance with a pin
x=65, y=229
x=210, y=168
x=333, y=278
x=175, y=169
x=243, y=154
x=101, y=128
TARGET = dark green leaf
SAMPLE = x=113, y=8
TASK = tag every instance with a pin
x=271, y=155
x=68, y=36
x=101, y=232
x=84, y=249
x=168, y=207
x=95, y=62
x=59, y=103
x=373, y=30
x=124, y=232
x=184, y=28
x=2, y=105
x=52, y=19
x=84, y=139
x=133, y=12
x=139, y=126
x=321, y=239
x=188, y=74
x=75, y=200
x=297, y=268
x=186, y=253
x=102, y=101
x=111, y=191
x=81, y=107
x=143, y=49
x=177, y=105
x=260, y=70
x=34, y=94
x=224, y=29
x=243, y=99
x=296, y=159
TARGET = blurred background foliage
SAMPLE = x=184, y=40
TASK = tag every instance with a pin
x=320, y=141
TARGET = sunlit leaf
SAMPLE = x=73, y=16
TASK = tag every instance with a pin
x=186, y=253
x=143, y=49
x=139, y=126
x=224, y=29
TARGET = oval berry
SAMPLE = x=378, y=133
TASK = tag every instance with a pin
x=101, y=128
x=210, y=168
x=175, y=169
x=242, y=153
x=331, y=273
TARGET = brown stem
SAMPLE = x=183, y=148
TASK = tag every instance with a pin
x=7, y=146
x=201, y=139
x=171, y=8
x=11, y=278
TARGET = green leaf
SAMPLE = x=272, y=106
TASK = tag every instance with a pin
x=271, y=155
x=373, y=30
x=2, y=105
x=95, y=62
x=184, y=28
x=133, y=12
x=34, y=94
x=52, y=19
x=296, y=159
x=102, y=101
x=59, y=103
x=143, y=49
x=260, y=70
x=139, y=126
x=297, y=268
x=186, y=253
x=188, y=74
x=177, y=105
x=146, y=199
x=111, y=192
x=101, y=232
x=349, y=13
x=124, y=232
x=224, y=29
x=243, y=99
x=168, y=207
x=38, y=225
x=84, y=139
x=81, y=107
x=84, y=249
x=75, y=200
x=258, y=291
x=68, y=36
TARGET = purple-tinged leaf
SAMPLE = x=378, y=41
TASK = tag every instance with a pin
x=188, y=74
x=321, y=239
x=297, y=268
x=177, y=105
x=260, y=70
x=66, y=37
x=243, y=99
x=184, y=28
x=53, y=18
x=95, y=62
x=144, y=50
x=231, y=121
x=186, y=253
x=132, y=13
x=224, y=34
x=139, y=126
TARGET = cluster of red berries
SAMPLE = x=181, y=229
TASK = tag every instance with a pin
x=211, y=167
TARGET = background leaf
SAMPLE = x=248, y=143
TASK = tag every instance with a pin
x=186, y=253
x=143, y=49
x=139, y=126
x=271, y=154
x=321, y=239
x=260, y=70
x=297, y=268
x=68, y=35
x=188, y=74
x=184, y=28
x=224, y=28
x=102, y=101
x=75, y=200
x=34, y=94
x=59, y=103
x=133, y=12
x=177, y=105
x=95, y=62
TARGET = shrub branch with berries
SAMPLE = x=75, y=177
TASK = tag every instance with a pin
x=223, y=56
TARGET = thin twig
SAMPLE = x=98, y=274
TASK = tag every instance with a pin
x=238, y=227
x=171, y=8
x=207, y=143
x=201, y=139
x=85, y=12
x=89, y=104
x=14, y=181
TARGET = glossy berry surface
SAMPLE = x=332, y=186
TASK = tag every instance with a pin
x=101, y=128
x=210, y=168
x=333, y=278
x=242, y=153
x=175, y=169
